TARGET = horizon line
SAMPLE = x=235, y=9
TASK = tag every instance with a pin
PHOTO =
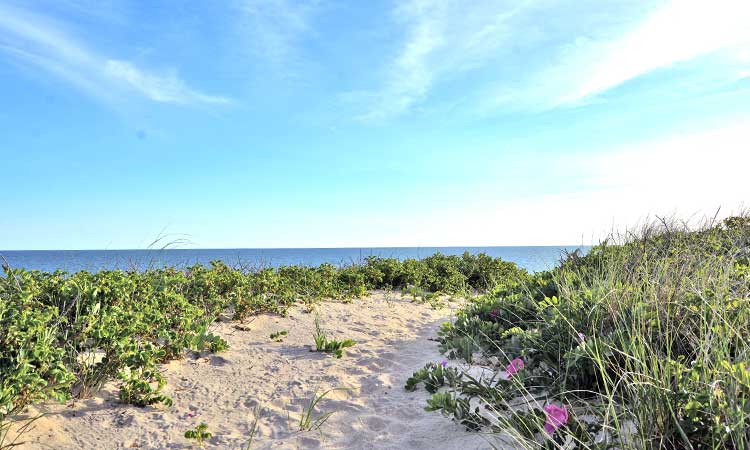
x=294, y=248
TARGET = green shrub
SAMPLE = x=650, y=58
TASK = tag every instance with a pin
x=32, y=366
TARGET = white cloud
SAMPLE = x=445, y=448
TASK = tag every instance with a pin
x=443, y=38
x=705, y=42
x=273, y=28
x=544, y=55
x=36, y=40
x=164, y=89
x=679, y=31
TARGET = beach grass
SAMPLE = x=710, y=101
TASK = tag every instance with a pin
x=643, y=343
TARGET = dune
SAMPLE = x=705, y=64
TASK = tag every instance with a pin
x=275, y=381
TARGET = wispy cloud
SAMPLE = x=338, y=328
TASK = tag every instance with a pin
x=680, y=31
x=159, y=88
x=38, y=41
x=544, y=55
x=443, y=38
x=273, y=28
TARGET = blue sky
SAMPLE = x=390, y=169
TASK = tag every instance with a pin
x=275, y=123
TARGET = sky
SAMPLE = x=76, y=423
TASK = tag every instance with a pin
x=323, y=123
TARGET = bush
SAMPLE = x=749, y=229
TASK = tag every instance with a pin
x=31, y=364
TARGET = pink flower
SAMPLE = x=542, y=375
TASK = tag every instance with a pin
x=444, y=363
x=581, y=337
x=557, y=416
x=514, y=367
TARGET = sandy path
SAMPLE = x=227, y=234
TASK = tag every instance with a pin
x=224, y=390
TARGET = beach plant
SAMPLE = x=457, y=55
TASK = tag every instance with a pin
x=279, y=335
x=458, y=407
x=642, y=343
x=323, y=344
x=200, y=434
x=32, y=366
x=143, y=387
x=420, y=295
x=21, y=427
x=204, y=340
x=309, y=420
x=254, y=428
x=434, y=376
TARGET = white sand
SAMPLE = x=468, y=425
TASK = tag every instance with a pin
x=393, y=339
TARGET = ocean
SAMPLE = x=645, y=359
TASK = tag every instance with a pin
x=530, y=258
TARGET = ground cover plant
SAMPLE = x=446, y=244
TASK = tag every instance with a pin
x=323, y=344
x=642, y=343
x=64, y=335
x=200, y=434
x=279, y=335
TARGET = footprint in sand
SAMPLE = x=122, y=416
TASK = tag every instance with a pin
x=309, y=442
x=375, y=423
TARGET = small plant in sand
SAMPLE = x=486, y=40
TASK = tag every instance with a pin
x=310, y=303
x=143, y=387
x=309, y=420
x=279, y=335
x=199, y=434
x=388, y=296
x=253, y=428
x=421, y=296
x=323, y=344
x=204, y=340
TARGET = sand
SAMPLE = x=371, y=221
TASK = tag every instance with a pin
x=394, y=336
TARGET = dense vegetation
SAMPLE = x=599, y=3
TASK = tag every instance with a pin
x=642, y=343
x=64, y=335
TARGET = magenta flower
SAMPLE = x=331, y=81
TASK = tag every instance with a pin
x=514, y=367
x=443, y=363
x=557, y=416
x=494, y=313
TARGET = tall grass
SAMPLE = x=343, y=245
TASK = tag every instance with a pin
x=644, y=341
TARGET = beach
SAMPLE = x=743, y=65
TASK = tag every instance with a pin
x=370, y=409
